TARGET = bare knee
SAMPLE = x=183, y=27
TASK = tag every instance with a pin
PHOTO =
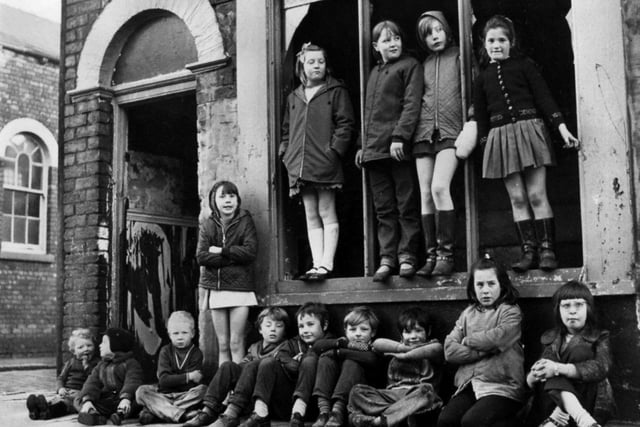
x=236, y=343
x=441, y=193
x=538, y=199
x=519, y=200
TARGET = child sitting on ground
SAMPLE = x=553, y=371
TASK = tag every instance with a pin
x=343, y=363
x=413, y=376
x=279, y=379
x=70, y=381
x=109, y=391
x=179, y=376
x=239, y=378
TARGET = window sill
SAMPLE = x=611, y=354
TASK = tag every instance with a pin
x=27, y=257
x=360, y=290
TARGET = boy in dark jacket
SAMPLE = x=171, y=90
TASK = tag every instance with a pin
x=239, y=379
x=111, y=387
x=290, y=373
x=73, y=375
x=179, y=376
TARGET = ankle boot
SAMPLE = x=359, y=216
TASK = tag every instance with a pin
x=446, y=222
x=430, y=244
x=527, y=235
x=546, y=231
x=55, y=410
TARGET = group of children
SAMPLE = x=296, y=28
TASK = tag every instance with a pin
x=335, y=380
x=415, y=111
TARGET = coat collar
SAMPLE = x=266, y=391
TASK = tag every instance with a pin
x=329, y=84
x=588, y=334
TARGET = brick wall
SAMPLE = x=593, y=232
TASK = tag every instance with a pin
x=28, y=307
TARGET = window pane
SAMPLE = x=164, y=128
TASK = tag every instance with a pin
x=23, y=170
x=11, y=152
x=30, y=145
x=36, y=179
x=34, y=205
x=8, y=202
x=9, y=172
x=6, y=228
x=34, y=232
x=20, y=225
x=37, y=156
x=20, y=204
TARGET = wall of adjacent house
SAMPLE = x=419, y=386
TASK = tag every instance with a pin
x=28, y=307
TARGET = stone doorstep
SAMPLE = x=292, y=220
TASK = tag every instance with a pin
x=27, y=363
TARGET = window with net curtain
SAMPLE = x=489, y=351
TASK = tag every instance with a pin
x=24, y=207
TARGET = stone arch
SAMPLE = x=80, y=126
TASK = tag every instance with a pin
x=120, y=18
x=27, y=125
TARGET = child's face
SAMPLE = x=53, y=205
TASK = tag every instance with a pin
x=227, y=203
x=310, y=328
x=271, y=330
x=487, y=286
x=436, y=39
x=315, y=67
x=497, y=44
x=180, y=334
x=362, y=332
x=573, y=313
x=84, y=348
x=388, y=45
x=105, y=347
x=414, y=336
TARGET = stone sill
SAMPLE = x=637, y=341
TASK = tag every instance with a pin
x=27, y=257
x=362, y=290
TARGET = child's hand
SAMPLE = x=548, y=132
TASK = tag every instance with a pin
x=359, y=158
x=397, y=151
x=88, y=407
x=298, y=357
x=124, y=407
x=543, y=369
x=195, y=376
x=215, y=249
x=62, y=392
x=570, y=141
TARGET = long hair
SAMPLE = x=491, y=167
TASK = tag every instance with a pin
x=573, y=290
x=499, y=21
x=300, y=58
x=228, y=187
x=389, y=26
x=508, y=293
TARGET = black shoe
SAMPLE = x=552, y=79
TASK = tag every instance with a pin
x=320, y=274
x=32, y=406
x=147, y=417
x=322, y=420
x=527, y=236
x=296, y=420
x=202, y=418
x=256, y=420
x=361, y=420
x=116, y=418
x=92, y=419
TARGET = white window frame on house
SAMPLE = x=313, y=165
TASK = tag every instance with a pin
x=48, y=147
x=606, y=216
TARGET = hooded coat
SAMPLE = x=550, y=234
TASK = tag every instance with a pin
x=118, y=377
x=317, y=133
x=232, y=269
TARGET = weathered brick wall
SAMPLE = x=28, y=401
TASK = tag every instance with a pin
x=28, y=307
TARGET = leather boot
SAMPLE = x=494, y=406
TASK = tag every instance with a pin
x=430, y=244
x=55, y=410
x=445, y=226
x=527, y=235
x=547, y=233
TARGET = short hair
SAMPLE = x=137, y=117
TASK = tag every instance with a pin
x=181, y=316
x=80, y=334
x=360, y=314
x=380, y=27
x=412, y=317
x=574, y=290
x=299, y=68
x=228, y=187
x=425, y=26
x=314, y=309
x=508, y=293
x=276, y=313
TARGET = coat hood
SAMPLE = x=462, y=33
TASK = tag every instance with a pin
x=214, y=209
x=436, y=14
x=330, y=83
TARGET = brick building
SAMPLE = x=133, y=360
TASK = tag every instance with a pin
x=163, y=97
x=29, y=81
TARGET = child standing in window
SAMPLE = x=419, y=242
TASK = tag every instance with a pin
x=391, y=111
x=571, y=376
x=227, y=247
x=316, y=134
x=485, y=343
x=510, y=100
x=439, y=125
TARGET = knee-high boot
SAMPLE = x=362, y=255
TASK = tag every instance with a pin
x=527, y=235
x=547, y=234
x=445, y=230
x=430, y=244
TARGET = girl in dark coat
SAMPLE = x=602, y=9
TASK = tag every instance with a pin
x=317, y=132
x=227, y=247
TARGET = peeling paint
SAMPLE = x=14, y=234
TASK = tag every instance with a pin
x=616, y=188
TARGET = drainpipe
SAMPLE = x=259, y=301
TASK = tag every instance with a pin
x=59, y=207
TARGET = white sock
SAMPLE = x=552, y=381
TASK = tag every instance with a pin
x=261, y=408
x=559, y=416
x=331, y=235
x=574, y=408
x=300, y=407
x=316, y=243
